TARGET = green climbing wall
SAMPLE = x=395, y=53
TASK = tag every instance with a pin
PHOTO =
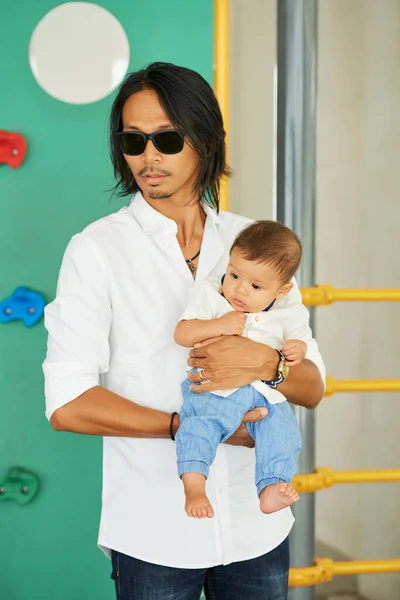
x=48, y=547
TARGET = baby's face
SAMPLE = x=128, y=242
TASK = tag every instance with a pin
x=249, y=286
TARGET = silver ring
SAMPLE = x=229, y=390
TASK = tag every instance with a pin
x=201, y=376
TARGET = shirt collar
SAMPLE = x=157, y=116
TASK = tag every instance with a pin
x=151, y=220
x=211, y=212
x=148, y=218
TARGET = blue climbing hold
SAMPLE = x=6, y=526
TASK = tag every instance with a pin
x=23, y=304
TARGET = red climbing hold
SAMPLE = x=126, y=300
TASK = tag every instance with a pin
x=12, y=148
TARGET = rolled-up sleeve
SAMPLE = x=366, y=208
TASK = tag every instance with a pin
x=78, y=323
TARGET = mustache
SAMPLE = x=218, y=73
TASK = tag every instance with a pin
x=151, y=171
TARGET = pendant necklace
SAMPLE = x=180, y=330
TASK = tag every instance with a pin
x=189, y=262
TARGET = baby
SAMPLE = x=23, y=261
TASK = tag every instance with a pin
x=250, y=300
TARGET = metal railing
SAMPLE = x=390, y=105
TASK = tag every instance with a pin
x=325, y=569
x=325, y=294
x=361, y=385
x=325, y=477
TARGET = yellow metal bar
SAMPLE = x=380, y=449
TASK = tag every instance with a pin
x=367, y=476
x=327, y=294
x=325, y=477
x=221, y=79
x=367, y=566
x=361, y=385
x=325, y=570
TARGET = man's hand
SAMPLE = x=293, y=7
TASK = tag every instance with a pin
x=241, y=436
x=231, y=362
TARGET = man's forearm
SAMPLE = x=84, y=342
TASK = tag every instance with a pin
x=101, y=412
x=303, y=386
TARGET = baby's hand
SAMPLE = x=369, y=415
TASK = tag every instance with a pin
x=232, y=323
x=294, y=351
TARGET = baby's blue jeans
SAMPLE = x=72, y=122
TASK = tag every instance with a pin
x=207, y=420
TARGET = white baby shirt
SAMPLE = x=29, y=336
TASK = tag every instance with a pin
x=286, y=320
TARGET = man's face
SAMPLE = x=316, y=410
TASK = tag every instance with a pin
x=158, y=175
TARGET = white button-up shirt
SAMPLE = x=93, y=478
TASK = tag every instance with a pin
x=123, y=285
x=285, y=320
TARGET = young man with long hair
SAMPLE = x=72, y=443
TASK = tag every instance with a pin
x=112, y=367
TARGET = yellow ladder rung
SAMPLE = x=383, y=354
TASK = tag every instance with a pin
x=325, y=569
x=361, y=385
x=325, y=477
x=325, y=294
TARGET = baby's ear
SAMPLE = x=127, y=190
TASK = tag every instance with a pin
x=285, y=289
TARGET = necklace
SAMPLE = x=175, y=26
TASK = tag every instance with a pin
x=189, y=262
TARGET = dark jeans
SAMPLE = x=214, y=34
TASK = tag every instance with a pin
x=262, y=578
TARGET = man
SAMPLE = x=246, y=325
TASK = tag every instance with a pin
x=113, y=369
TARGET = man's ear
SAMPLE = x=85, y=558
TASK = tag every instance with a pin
x=285, y=289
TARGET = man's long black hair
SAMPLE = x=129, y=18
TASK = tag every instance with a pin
x=191, y=106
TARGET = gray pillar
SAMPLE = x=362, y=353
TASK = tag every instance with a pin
x=296, y=150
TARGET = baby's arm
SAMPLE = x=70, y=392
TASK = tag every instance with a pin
x=188, y=333
x=296, y=334
x=294, y=351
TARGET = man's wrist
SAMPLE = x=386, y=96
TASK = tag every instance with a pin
x=269, y=369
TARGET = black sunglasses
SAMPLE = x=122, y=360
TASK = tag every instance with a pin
x=134, y=143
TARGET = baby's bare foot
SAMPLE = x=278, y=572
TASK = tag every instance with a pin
x=198, y=505
x=277, y=496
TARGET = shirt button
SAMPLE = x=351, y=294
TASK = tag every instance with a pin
x=257, y=319
x=220, y=491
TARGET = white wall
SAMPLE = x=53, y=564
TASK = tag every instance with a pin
x=358, y=221
x=253, y=40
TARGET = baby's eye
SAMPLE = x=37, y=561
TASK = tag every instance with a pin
x=255, y=286
x=234, y=276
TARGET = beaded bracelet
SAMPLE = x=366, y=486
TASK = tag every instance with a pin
x=171, y=423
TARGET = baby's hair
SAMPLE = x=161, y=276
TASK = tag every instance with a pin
x=271, y=243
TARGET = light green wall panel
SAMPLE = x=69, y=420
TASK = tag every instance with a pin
x=48, y=548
